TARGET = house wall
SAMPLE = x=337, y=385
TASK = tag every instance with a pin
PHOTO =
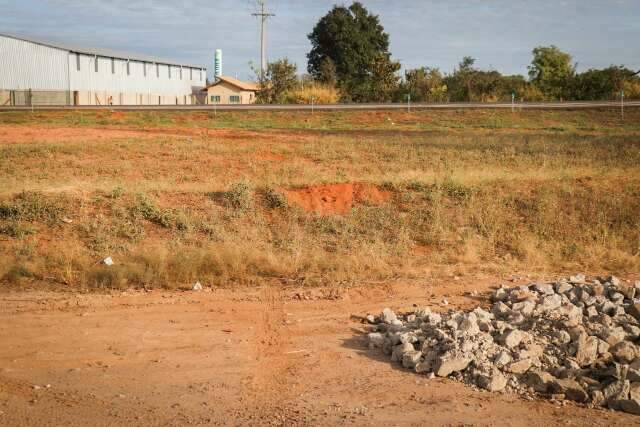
x=225, y=90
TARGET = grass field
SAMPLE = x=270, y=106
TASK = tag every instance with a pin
x=242, y=197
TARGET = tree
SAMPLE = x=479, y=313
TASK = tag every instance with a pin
x=327, y=73
x=424, y=85
x=552, y=71
x=280, y=78
x=355, y=42
x=600, y=84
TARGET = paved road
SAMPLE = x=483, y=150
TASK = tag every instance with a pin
x=389, y=106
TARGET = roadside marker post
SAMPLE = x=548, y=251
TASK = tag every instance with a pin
x=622, y=104
x=513, y=102
x=408, y=103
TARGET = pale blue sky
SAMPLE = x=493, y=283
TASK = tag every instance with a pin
x=499, y=33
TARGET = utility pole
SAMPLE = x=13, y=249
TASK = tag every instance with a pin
x=263, y=15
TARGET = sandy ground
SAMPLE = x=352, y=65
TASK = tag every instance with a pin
x=263, y=356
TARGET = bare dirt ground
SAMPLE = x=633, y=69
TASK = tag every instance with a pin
x=260, y=356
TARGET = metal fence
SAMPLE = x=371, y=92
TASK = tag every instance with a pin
x=29, y=98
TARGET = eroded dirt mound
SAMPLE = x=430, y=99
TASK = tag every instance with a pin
x=336, y=199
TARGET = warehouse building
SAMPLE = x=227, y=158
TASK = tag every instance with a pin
x=40, y=72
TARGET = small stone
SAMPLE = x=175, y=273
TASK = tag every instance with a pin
x=562, y=337
x=519, y=366
x=499, y=295
x=512, y=338
x=618, y=390
x=603, y=347
x=613, y=336
x=447, y=365
x=371, y=319
x=544, y=288
x=578, y=279
x=597, y=397
x=630, y=406
x=587, y=350
x=624, y=352
x=570, y=388
x=502, y=359
x=493, y=382
x=388, y=316
x=634, y=391
x=469, y=326
x=538, y=380
x=550, y=302
x=613, y=280
x=500, y=309
x=525, y=307
x=108, y=261
x=376, y=339
x=411, y=358
x=634, y=310
x=591, y=312
x=563, y=287
x=197, y=286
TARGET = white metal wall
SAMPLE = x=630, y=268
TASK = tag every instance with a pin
x=25, y=65
x=157, y=79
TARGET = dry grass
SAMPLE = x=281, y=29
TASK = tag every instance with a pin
x=471, y=191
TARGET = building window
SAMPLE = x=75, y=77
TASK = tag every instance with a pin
x=200, y=75
x=78, y=61
x=234, y=99
x=95, y=64
x=169, y=68
x=191, y=74
x=158, y=70
x=144, y=69
x=180, y=73
x=113, y=65
x=215, y=99
x=128, y=68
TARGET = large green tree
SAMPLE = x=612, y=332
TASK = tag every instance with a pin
x=552, y=71
x=354, y=42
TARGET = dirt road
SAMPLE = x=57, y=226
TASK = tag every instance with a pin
x=264, y=356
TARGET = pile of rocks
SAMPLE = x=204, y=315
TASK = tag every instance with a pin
x=572, y=339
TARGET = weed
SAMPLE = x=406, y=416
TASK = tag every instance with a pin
x=16, y=273
x=31, y=206
x=275, y=199
x=238, y=197
x=16, y=230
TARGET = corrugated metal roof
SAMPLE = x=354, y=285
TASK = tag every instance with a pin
x=108, y=53
x=238, y=83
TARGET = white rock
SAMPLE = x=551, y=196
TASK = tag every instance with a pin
x=197, y=286
x=108, y=261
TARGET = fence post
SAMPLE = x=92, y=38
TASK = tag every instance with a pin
x=622, y=104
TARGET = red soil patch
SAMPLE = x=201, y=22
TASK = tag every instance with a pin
x=336, y=199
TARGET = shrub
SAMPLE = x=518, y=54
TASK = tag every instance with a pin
x=239, y=196
x=275, y=199
x=321, y=94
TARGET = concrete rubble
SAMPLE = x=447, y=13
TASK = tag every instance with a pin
x=574, y=339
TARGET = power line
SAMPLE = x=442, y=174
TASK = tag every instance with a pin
x=264, y=16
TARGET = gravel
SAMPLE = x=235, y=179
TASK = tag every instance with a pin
x=576, y=339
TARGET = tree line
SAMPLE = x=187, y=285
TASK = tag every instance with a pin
x=350, y=61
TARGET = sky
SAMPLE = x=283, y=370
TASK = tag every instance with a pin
x=500, y=34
